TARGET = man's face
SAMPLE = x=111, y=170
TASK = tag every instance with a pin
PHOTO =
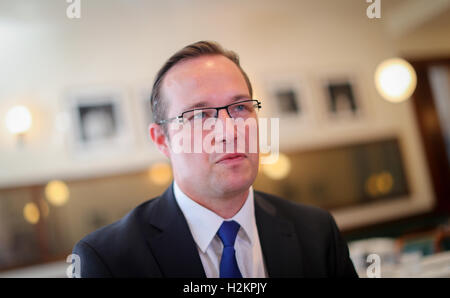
x=210, y=81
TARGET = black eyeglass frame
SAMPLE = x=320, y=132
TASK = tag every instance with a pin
x=180, y=118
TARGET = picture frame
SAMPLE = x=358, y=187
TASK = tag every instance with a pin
x=342, y=99
x=100, y=121
x=290, y=98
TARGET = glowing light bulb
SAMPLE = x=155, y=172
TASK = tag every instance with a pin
x=395, y=80
x=31, y=213
x=18, y=120
x=57, y=193
x=279, y=169
x=160, y=173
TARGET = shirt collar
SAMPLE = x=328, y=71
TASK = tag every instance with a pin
x=204, y=223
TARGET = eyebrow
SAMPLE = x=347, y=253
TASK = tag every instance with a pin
x=203, y=104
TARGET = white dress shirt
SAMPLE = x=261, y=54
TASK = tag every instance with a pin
x=204, y=225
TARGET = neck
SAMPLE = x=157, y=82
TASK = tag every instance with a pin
x=226, y=206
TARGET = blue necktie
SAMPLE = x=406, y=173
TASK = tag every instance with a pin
x=228, y=265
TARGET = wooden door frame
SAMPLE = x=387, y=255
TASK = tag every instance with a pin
x=431, y=133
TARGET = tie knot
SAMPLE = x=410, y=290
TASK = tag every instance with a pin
x=227, y=232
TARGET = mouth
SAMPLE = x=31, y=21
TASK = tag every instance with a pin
x=230, y=158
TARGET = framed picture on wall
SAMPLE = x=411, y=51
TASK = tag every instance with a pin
x=288, y=101
x=342, y=100
x=100, y=121
x=289, y=97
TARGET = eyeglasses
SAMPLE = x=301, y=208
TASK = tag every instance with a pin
x=242, y=109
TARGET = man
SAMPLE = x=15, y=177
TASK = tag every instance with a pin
x=210, y=222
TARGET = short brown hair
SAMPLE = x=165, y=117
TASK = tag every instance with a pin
x=200, y=48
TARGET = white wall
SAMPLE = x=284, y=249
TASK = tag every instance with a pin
x=43, y=54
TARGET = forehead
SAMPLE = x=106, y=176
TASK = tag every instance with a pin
x=214, y=79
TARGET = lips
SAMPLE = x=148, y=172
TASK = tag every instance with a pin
x=230, y=157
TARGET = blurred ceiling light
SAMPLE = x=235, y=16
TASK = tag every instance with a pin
x=31, y=213
x=379, y=184
x=395, y=80
x=18, y=120
x=160, y=173
x=57, y=192
x=384, y=182
x=279, y=169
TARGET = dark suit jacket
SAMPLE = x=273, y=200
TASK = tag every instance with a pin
x=154, y=240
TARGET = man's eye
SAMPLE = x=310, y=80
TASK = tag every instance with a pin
x=243, y=108
x=199, y=115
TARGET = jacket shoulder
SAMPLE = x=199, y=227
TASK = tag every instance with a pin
x=294, y=211
x=324, y=251
x=118, y=248
x=120, y=230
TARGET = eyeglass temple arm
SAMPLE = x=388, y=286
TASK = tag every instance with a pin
x=167, y=120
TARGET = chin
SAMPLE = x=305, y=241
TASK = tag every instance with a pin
x=236, y=183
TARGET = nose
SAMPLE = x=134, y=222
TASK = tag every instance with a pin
x=227, y=133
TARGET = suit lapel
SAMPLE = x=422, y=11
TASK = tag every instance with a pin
x=171, y=242
x=279, y=241
x=174, y=248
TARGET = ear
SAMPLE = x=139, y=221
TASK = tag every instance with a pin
x=159, y=138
